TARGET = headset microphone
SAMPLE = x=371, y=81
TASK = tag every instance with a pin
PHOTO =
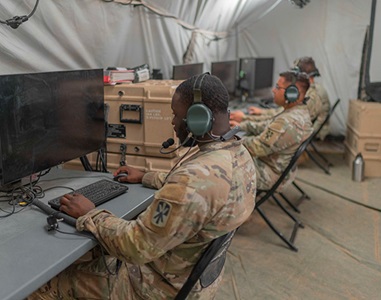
x=170, y=142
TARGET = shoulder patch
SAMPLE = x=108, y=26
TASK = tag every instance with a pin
x=278, y=126
x=272, y=133
x=161, y=214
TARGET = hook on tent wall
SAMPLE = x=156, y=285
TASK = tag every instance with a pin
x=299, y=3
x=16, y=21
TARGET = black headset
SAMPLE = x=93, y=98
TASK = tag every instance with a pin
x=199, y=118
x=291, y=93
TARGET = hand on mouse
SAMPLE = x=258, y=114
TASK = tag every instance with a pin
x=134, y=175
x=119, y=176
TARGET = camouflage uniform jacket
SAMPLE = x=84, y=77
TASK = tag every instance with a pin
x=208, y=195
x=324, y=111
x=273, y=143
x=314, y=103
x=267, y=114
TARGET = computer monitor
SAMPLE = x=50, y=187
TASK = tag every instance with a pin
x=182, y=72
x=47, y=119
x=227, y=72
x=255, y=73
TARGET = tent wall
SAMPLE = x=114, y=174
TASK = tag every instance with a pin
x=78, y=34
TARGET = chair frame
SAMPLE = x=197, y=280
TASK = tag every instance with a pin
x=271, y=194
x=315, y=160
x=295, y=206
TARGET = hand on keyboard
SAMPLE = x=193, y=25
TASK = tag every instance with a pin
x=76, y=205
x=97, y=192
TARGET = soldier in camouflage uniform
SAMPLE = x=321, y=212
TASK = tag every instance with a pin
x=318, y=102
x=207, y=195
x=272, y=143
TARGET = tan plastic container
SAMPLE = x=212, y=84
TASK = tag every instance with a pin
x=140, y=117
x=366, y=144
x=364, y=117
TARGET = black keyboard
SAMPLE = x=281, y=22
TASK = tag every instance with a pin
x=98, y=192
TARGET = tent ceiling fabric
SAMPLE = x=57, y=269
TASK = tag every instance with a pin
x=74, y=34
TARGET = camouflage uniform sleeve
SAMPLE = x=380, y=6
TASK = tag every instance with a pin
x=324, y=109
x=313, y=103
x=269, y=141
x=267, y=113
x=158, y=229
x=154, y=179
x=257, y=118
x=254, y=127
x=319, y=120
x=271, y=112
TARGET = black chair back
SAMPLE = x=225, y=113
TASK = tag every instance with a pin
x=213, y=257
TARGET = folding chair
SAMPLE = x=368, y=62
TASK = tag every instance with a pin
x=266, y=194
x=214, y=258
x=295, y=205
x=319, y=159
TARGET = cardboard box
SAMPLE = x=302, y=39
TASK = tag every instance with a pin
x=140, y=116
x=367, y=144
x=365, y=117
x=372, y=167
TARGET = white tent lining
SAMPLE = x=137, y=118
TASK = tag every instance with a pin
x=74, y=34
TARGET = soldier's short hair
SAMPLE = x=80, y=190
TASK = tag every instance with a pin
x=213, y=92
x=307, y=64
x=297, y=77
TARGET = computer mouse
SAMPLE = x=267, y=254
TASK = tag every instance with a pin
x=120, y=175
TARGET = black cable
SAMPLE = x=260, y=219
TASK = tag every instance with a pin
x=86, y=164
x=9, y=213
x=16, y=21
x=21, y=196
x=58, y=187
x=74, y=177
x=101, y=161
x=180, y=159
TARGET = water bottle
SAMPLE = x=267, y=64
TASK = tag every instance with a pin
x=358, y=168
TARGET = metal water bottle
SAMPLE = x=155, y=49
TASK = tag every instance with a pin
x=358, y=168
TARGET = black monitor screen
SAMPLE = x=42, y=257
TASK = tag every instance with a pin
x=182, y=72
x=264, y=68
x=227, y=72
x=256, y=73
x=47, y=119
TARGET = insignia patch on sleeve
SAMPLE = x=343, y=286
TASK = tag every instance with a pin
x=268, y=135
x=161, y=214
x=274, y=131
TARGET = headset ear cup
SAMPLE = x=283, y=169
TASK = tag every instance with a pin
x=291, y=93
x=199, y=119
